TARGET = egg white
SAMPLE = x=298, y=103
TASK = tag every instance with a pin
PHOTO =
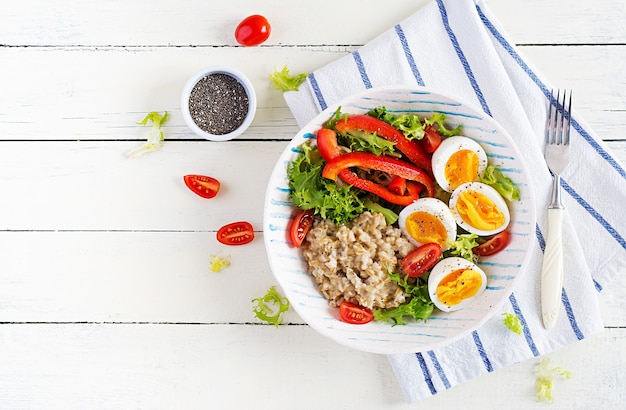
x=443, y=268
x=435, y=207
x=448, y=147
x=489, y=192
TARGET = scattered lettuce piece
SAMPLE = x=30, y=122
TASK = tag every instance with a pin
x=218, y=263
x=309, y=190
x=420, y=307
x=271, y=314
x=463, y=246
x=283, y=81
x=512, y=322
x=155, y=137
x=545, y=373
x=505, y=186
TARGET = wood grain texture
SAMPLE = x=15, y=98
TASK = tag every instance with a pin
x=133, y=366
x=76, y=102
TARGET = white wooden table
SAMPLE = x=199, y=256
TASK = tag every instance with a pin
x=106, y=297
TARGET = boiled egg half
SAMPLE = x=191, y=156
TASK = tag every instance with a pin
x=454, y=283
x=479, y=208
x=458, y=160
x=428, y=220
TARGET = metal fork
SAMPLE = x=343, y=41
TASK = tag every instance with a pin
x=557, y=158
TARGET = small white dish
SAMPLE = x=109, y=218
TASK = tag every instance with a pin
x=237, y=124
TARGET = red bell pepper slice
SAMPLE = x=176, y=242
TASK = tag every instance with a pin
x=327, y=144
x=412, y=149
x=329, y=149
x=413, y=189
x=397, y=185
x=392, y=166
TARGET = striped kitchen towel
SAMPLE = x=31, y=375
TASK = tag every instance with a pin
x=458, y=48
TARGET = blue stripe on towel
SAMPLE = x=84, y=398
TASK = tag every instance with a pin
x=540, y=239
x=586, y=136
x=594, y=214
x=440, y=372
x=522, y=320
x=426, y=372
x=570, y=315
x=461, y=55
x=409, y=55
x=482, y=352
x=597, y=285
x=317, y=91
x=361, y=67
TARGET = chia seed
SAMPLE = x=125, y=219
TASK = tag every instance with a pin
x=218, y=104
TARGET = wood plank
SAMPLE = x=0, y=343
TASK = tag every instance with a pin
x=572, y=22
x=197, y=23
x=215, y=366
x=106, y=91
x=94, y=186
x=156, y=277
x=151, y=277
x=142, y=22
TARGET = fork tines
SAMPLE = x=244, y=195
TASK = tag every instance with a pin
x=559, y=118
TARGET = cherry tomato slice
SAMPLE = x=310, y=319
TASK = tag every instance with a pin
x=300, y=225
x=421, y=259
x=236, y=233
x=202, y=185
x=355, y=314
x=252, y=31
x=431, y=140
x=493, y=245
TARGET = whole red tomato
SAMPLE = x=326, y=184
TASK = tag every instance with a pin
x=253, y=30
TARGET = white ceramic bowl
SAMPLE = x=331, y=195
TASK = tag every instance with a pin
x=191, y=83
x=503, y=270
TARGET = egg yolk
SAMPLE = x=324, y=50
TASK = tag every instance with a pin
x=458, y=285
x=479, y=211
x=462, y=167
x=426, y=228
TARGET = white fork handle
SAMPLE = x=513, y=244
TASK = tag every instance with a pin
x=552, y=269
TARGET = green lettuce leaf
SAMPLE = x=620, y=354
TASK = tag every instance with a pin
x=155, y=136
x=358, y=140
x=390, y=216
x=512, y=322
x=283, y=81
x=494, y=177
x=309, y=190
x=420, y=307
x=412, y=125
x=463, y=246
x=270, y=308
x=544, y=384
x=438, y=120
